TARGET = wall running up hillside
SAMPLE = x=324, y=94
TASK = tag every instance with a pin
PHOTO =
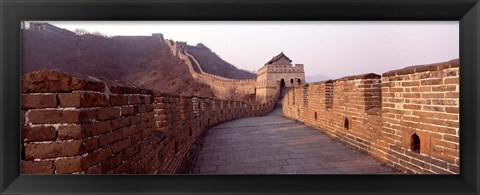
x=409, y=118
x=220, y=85
x=84, y=125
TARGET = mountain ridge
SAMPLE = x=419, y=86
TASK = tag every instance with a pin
x=142, y=60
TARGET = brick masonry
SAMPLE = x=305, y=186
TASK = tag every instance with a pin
x=80, y=124
x=386, y=115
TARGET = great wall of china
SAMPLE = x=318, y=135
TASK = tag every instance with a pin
x=83, y=125
x=407, y=118
x=220, y=85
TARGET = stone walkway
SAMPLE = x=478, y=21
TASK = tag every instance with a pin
x=273, y=144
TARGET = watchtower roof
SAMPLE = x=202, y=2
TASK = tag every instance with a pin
x=277, y=57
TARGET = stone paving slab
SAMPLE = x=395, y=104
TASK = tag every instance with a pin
x=273, y=144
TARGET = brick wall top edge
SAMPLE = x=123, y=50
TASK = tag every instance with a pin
x=55, y=81
x=423, y=68
x=51, y=81
x=320, y=82
x=45, y=81
x=360, y=76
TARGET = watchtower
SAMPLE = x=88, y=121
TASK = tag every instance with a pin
x=278, y=72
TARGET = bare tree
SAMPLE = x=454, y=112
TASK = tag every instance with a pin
x=80, y=31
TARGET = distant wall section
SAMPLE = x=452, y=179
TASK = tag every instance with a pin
x=223, y=87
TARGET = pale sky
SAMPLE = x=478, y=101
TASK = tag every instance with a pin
x=334, y=49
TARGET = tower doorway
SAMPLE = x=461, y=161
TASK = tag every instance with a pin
x=282, y=83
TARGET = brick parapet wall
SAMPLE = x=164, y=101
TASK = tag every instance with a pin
x=79, y=124
x=423, y=100
x=383, y=113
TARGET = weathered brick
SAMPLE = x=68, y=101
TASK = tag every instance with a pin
x=412, y=106
x=433, y=108
x=452, y=109
x=109, y=138
x=108, y=113
x=37, y=167
x=444, y=88
x=121, y=145
x=117, y=100
x=421, y=89
x=97, y=128
x=127, y=110
x=411, y=95
x=123, y=168
x=39, y=101
x=445, y=144
x=96, y=157
x=135, y=119
x=410, y=83
x=83, y=99
x=60, y=116
x=70, y=132
x=120, y=122
x=52, y=149
x=94, y=170
x=445, y=116
x=433, y=95
x=451, y=95
x=437, y=81
x=90, y=144
x=54, y=81
x=454, y=168
x=131, y=130
x=451, y=80
x=451, y=138
x=68, y=165
x=142, y=108
x=134, y=99
x=146, y=99
x=113, y=161
x=445, y=102
x=40, y=133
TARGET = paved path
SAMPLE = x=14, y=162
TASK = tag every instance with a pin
x=272, y=144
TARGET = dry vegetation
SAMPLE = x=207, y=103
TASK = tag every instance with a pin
x=143, y=61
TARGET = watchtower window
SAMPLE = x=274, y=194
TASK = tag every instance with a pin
x=291, y=81
x=299, y=81
x=315, y=115
x=415, y=143
x=346, y=124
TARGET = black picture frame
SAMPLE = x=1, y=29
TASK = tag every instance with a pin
x=465, y=11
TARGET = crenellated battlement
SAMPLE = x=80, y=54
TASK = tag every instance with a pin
x=407, y=118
